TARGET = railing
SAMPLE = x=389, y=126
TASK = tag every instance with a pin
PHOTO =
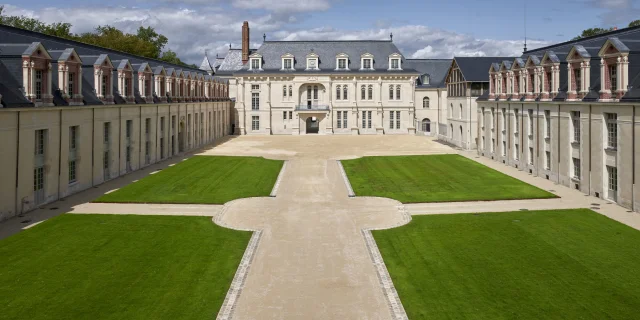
x=312, y=108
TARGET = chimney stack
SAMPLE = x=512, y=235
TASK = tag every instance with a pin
x=245, y=42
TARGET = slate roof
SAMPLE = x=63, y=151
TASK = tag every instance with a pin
x=18, y=48
x=475, y=69
x=232, y=62
x=93, y=60
x=10, y=89
x=57, y=55
x=437, y=70
x=327, y=51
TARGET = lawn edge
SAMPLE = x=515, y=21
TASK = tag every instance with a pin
x=239, y=279
x=274, y=191
x=389, y=290
x=347, y=183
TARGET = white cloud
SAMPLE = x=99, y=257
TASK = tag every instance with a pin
x=289, y=6
x=191, y=32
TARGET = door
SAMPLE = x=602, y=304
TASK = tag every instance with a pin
x=313, y=125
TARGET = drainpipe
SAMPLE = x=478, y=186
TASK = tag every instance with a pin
x=559, y=149
x=18, y=166
x=537, y=139
x=119, y=139
x=508, y=134
x=590, y=149
x=59, y=153
x=438, y=126
x=633, y=159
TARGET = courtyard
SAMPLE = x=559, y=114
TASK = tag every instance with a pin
x=316, y=258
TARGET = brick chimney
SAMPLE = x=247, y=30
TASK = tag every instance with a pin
x=245, y=42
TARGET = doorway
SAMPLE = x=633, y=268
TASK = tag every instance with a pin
x=313, y=125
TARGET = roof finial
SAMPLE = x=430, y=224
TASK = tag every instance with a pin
x=264, y=37
x=229, y=45
x=391, y=36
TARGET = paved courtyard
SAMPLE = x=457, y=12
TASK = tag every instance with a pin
x=313, y=260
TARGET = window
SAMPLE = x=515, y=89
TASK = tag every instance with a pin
x=613, y=181
x=147, y=147
x=342, y=63
x=147, y=125
x=426, y=125
x=107, y=132
x=312, y=63
x=613, y=76
x=284, y=115
x=530, y=155
x=338, y=91
x=504, y=119
x=255, y=123
x=284, y=91
x=129, y=128
x=612, y=130
x=255, y=87
x=70, y=84
x=575, y=120
x=516, y=152
x=398, y=92
x=255, y=101
x=395, y=63
x=517, y=121
x=460, y=113
x=255, y=63
x=576, y=75
x=72, y=171
x=369, y=119
x=40, y=135
x=530, y=121
x=342, y=119
x=363, y=92
x=426, y=79
x=366, y=64
x=105, y=161
x=73, y=137
x=576, y=168
x=315, y=92
x=344, y=93
x=547, y=160
x=397, y=119
x=364, y=119
x=339, y=120
x=105, y=80
x=547, y=123
x=370, y=92
x=425, y=103
x=290, y=115
x=391, y=122
x=287, y=64
x=504, y=148
x=38, y=84
x=290, y=91
x=390, y=92
x=127, y=86
x=548, y=83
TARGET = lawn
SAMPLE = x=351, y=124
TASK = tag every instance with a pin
x=434, y=178
x=563, y=264
x=204, y=180
x=119, y=267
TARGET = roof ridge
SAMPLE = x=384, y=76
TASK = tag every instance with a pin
x=608, y=33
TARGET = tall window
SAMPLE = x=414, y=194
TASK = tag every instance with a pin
x=370, y=92
x=70, y=84
x=105, y=85
x=255, y=101
x=344, y=119
x=339, y=124
x=363, y=92
x=612, y=130
x=613, y=76
x=342, y=63
x=390, y=92
x=575, y=120
x=530, y=155
x=517, y=121
x=548, y=82
x=38, y=84
x=290, y=91
x=576, y=75
x=547, y=123
x=284, y=115
x=391, y=122
x=398, y=92
x=255, y=123
x=315, y=92
x=547, y=160
x=576, y=168
x=395, y=63
x=127, y=86
x=107, y=132
x=73, y=138
x=613, y=181
x=397, y=119
x=73, y=145
x=287, y=64
x=530, y=121
x=344, y=93
x=338, y=91
x=284, y=91
x=426, y=125
x=364, y=119
x=366, y=63
x=255, y=64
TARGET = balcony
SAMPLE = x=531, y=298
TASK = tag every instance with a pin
x=312, y=108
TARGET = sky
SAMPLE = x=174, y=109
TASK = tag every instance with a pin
x=421, y=28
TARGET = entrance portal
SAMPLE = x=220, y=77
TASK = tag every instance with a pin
x=313, y=125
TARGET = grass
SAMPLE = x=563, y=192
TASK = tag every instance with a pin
x=119, y=267
x=563, y=264
x=434, y=178
x=203, y=180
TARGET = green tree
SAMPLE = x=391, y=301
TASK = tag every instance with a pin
x=592, y=32
x=113, y=38
x=634, y=23
x=150, y=35
x=57, y=29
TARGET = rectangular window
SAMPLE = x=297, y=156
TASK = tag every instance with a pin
x=391, y=122
x=147, y=125
x=366, y=63
x=397, y=119
x=369, y=119
x=342, y=63
x=364, y=119
x=255, y=123
x=612, y=130
x=255, y=87
x=575, y=120
x=613, y=181
x=576, y=168
x=107, y=132
x=38, y=84
x=255, y=64
x=105, y=161
x=530, y=121
x=127, y=86
x=548, y=160
x=504, y=148
x=547, y=123
x=129, y=128
x=530, y=155
x=287, y=64
x=70, y=84
x=73, y=137
x=105, y=85
x=516, y=152
x=284, y=115
x=290, y=115
x=517, y=121
x=40, y=137
x=395, y=63
x=344, y=119
x=613, y=76
x=255, y=101
x=339, y=119
x=72, y=171
x=576, y=75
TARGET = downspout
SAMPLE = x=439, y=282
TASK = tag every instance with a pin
x=590, y=150
x=157, y=118
x=439, y=105
x=537, y=139
x=17, y=166
x=60, y=151
x=508, y=134
x=559, y=149
x=469, y=126
x=633, y=159
x=140, y=140
x=119, y=140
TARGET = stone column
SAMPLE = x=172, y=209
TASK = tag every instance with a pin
x=79, y=79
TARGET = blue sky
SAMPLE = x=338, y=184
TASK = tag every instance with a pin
x=422, y=29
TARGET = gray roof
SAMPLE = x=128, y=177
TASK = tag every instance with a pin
x=582, y=51
x=327, y=51
x=61, y=55
x=158, y=70
x=618, y=44
x=120, y=64
x=519, y=62
x=205, y=64
x=552, y=56
x=232, y=61
x=94, y=60
x=17, y=49
x=475, y=69
x=436, y=69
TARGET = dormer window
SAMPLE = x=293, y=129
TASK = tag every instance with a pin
x=425, y=79
x=366, y=64
x=342, y=63
x=256, y=64
x=613, y=76
x=395, y=63
x=614, y=69
x=312, y=63
x=287, y=64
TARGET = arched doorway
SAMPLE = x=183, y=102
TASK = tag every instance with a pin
x=426, y=126
x=313, y=125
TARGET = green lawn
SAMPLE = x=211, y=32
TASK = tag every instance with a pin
x=564, y=264
x=203, y=179
x=434, y=178
x=119, y=267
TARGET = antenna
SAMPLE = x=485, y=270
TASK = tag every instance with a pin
x=525, y=26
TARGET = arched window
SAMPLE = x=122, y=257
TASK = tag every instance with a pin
x=460, y=115
x=461, y=134
x=426, y=125
x=284, y=91
x=398, y=92
x=362, y=92
x=390, y=92
x=338, y=92
x=370, y=92
x=290, y=91
x=345, y=96
x=451, y=131
x=315, y=92
x=425, y=102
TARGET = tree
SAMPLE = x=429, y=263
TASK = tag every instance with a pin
x=592, y=32
x=113, y=38
x=57, y=29
x=150, y=35
x=634, y=23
